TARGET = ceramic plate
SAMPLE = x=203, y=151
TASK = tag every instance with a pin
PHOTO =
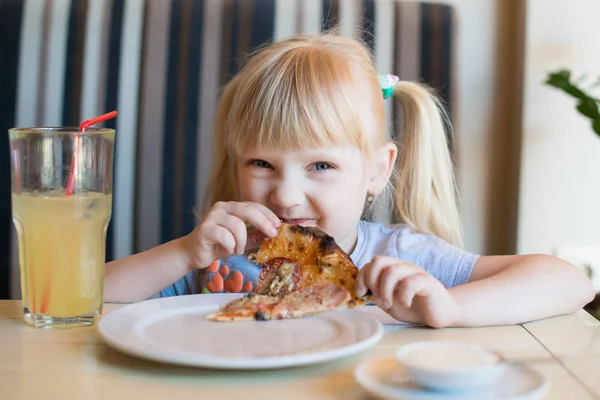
x=174, y=330
x=387, y=379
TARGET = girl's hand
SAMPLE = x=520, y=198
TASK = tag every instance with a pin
x=407, y=292
x=224, y=232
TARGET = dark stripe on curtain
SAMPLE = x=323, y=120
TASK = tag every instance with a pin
x=446, y=40
x=178, y=133
x=226, y=39
x=168, y=201
x=433, y=66
x=431, y=45
x=192, y=117
x=426, y=35
x=10, y=29
x=43, y=76
x=263, y=22
x=368, y=24
x=396, y=130
x=330, y=14
x=244, y=33
x=181, y=118
x=112, y=89
x=74, y=63
x=233, y=9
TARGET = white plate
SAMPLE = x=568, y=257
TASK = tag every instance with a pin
x=174, y=330
x=387, y=379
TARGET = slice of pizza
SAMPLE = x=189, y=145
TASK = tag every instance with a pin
x=303, y=272
x=299, y=303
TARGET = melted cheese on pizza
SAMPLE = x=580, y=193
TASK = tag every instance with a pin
x=321, y=260
x=304, y=249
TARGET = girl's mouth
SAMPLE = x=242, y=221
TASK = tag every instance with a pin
x=297, y=221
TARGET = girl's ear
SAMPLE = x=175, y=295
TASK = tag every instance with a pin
x=385, y=160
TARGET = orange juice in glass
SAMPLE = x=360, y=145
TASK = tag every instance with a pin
x=61, y=234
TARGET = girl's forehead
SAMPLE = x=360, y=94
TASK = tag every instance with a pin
x=310, y=152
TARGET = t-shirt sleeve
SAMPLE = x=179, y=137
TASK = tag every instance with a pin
x=232, y=275
x=449, y=264
x=184, y=286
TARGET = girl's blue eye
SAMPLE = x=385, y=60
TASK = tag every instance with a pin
x=322, y=166
x=261, y=164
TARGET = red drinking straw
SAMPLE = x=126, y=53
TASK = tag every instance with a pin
x=70, y=186
x=82, y=128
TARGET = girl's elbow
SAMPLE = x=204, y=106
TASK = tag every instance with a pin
x=581, y=286
x=589, y=292
x=585, y=287
x=583, y=290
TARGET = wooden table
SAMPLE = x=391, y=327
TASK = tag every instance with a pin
x=75, y=364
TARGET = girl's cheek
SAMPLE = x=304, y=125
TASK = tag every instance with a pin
x=254, y=190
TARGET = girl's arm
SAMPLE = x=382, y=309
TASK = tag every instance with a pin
x=140, y=276
x=516, y=289
x=221, y=234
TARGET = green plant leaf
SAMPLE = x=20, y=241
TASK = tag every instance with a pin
x=589, y=108
x=596, y=127
x=586, y=105
x=561, y=80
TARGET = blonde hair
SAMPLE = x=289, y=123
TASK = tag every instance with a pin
x=314, y=91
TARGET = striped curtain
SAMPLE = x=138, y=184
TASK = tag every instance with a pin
x=161, y=64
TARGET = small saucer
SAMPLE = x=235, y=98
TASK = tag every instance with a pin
x=387, y=379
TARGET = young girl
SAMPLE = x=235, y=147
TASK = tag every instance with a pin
x=300, y=137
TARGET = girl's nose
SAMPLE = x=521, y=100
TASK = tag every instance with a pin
x=287, y=194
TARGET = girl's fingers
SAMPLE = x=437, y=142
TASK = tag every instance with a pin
x=225, y=227
x=253, y=214
x=222, y=237
x=372, y=272
x=269, y=214
x=414, y=285
x=237, y=227
x=360, y=286
x=390, y=277
x=378, y=302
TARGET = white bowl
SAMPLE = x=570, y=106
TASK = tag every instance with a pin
x=450, y=365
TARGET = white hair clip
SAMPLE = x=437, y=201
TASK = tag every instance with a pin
x=387, y=83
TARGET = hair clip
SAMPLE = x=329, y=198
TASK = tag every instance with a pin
x=387, y=83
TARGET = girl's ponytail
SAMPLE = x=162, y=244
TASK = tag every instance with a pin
x=425, y=188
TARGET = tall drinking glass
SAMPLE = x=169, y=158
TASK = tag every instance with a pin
x=61, y=226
